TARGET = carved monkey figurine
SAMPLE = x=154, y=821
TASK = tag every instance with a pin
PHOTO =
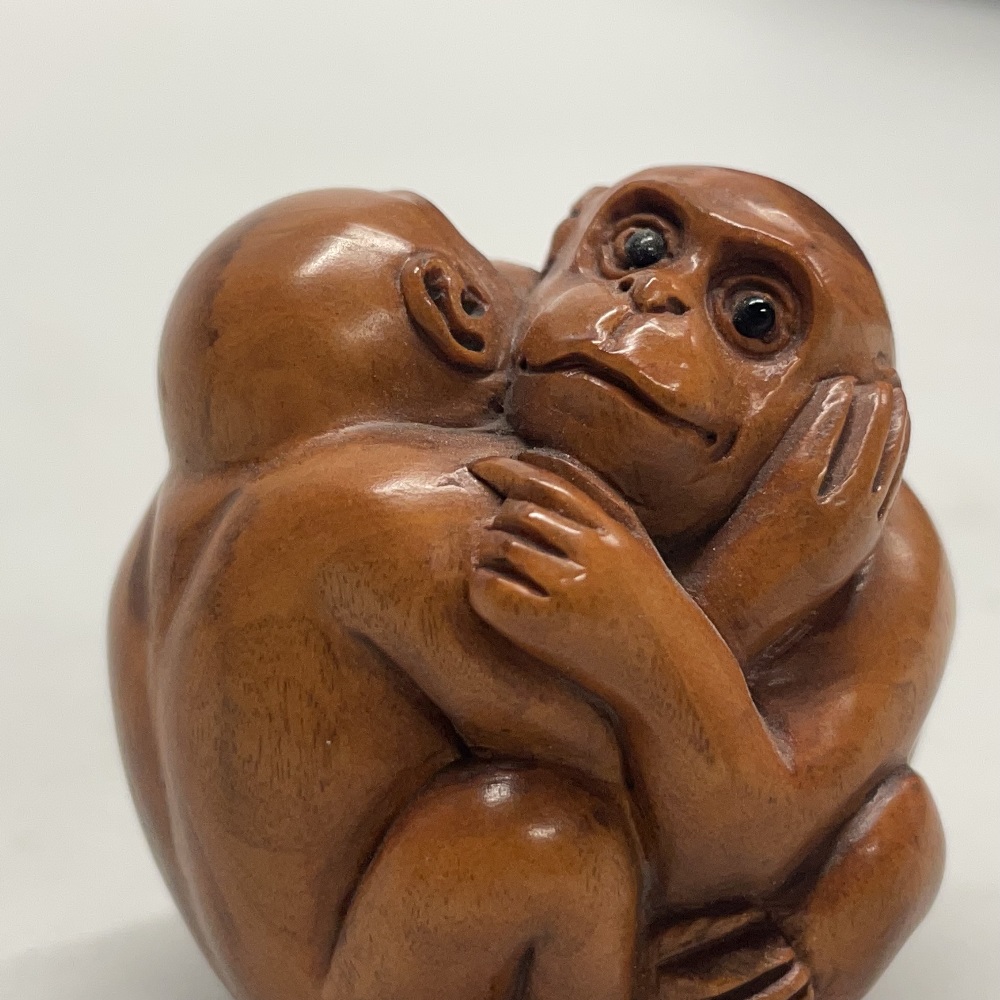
x=317, y=690
x=686, y=317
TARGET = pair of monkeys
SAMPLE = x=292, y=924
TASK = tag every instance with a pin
x=564, y=635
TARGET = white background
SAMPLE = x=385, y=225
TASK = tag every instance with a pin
x=132, y=132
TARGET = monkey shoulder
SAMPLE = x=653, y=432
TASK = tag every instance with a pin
x=368, y=462
x=366, y=486
x=902, y=594
x=875, y=652
x=367, y=496
x=270, y=555
x=902, y=604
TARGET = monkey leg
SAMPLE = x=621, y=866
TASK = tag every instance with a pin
x=838, y=932
x=495, y=883
x=873, y=890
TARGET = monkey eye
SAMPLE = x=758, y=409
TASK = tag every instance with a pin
x=757, y=313
x=637, y=242
x=644, y=247
x=754, y=316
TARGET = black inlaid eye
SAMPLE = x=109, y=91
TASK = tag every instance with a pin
x=754, y=317
x=645, y=247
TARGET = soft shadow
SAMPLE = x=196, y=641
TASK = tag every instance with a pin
x=157, y=960
x=952, y=954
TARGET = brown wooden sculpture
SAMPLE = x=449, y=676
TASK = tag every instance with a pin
x=502, y=635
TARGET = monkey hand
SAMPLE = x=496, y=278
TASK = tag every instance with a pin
x=738, y=954
x=565, y=570
x=811, y=518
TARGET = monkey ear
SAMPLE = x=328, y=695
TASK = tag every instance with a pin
x=565, y=228
x=454, y=317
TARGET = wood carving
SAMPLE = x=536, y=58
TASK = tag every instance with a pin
x=509, y=635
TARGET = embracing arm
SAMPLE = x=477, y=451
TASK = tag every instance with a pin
x=572, y=586
x=851, y=697
x=720, y=770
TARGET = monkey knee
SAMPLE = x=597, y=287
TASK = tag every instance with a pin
x=530, y=806
x=527, y=836
x=902, y=810
x=906, y=818
x=896, y=842
x=485, y=871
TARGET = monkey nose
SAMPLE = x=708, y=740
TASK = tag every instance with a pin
x=652, y=295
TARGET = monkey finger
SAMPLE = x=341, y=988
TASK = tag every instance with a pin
x=498, y=598
x=518, y=480
x=587, y=481
x=858, y=454
x=827, y=417
x=889, y=494
x=804, y=452
x=508, y=554
x=541, y=526
x=893, y=451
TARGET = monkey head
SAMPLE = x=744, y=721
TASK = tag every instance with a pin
x=684, y=318
x=329, y=308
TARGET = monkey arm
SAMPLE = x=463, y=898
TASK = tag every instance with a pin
x=564, y=579
x=848, y=701
x=853, y=693
x=720, y=766
x=809, y=520
x=713, y=778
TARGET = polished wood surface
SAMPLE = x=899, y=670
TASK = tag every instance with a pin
x=502, y=634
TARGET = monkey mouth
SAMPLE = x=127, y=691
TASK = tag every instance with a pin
x=592, y=370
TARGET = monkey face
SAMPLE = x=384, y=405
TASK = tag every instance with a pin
x=329, y=308
x=684, y=318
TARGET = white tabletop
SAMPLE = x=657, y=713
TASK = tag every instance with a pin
x=130, y=134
